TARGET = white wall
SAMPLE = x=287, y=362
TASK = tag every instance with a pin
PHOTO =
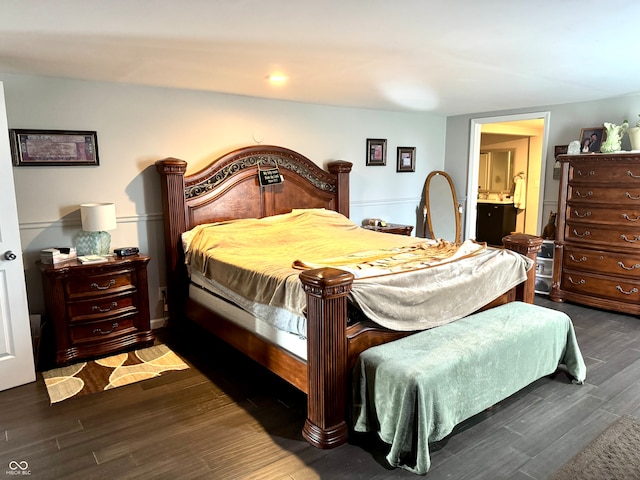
x=565, y=123
x=138, y=125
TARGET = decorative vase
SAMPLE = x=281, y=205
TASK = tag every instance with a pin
x=613, y=143
x=634, y=137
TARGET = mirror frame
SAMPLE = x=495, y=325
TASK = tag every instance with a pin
x=456, y=206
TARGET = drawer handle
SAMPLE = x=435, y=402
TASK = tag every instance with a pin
x=589, y=174
x=627, y=217
x=630, y=240
x=582, y=259
x=628, y=195
x=96, y=308
x=633, y=267
x=583, y=195
x=110, y=284
x=586, y=214
x=581, y=282
x=585, y=234
x=632, y=175
x=113, y=327
x=633, y=290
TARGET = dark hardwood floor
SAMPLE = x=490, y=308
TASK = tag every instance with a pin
x=227, y=418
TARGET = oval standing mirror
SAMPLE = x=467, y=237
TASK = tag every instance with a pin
x=441, y=208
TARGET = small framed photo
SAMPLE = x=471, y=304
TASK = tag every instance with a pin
x=560, y=150
x=591, y=139
x=376, y=151
x=47, y=148
x=406, y=159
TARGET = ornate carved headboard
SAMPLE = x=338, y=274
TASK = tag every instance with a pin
x=229, y=188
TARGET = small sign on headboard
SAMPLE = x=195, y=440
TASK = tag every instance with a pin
x=270, y=176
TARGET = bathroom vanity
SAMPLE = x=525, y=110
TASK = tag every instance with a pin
x=495, y=220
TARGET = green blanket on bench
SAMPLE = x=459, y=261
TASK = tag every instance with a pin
x=417, y=389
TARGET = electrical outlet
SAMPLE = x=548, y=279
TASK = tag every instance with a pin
x=162, y=294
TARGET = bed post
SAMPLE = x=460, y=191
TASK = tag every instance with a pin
x=172, y=172
x=327, y=356
x=529, y=246
x=341, y=170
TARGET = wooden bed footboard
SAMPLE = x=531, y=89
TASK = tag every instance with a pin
x=332, y=351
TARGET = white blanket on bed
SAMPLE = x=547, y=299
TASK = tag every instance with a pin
x=253, y=259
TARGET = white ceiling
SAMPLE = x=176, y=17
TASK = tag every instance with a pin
x=448, y=57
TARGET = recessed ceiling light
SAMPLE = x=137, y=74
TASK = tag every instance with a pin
x=276, y=78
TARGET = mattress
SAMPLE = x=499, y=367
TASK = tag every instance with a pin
x=402, y=283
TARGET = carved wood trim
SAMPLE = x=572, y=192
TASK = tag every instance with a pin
x=327, y=290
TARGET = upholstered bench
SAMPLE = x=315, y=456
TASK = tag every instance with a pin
x=415, y=390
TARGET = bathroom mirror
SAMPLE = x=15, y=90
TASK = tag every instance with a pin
x=441, y=208
x=496, y=167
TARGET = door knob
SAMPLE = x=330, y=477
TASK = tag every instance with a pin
x=9, y=255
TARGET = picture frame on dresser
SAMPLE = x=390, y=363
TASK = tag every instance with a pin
x=591, y=138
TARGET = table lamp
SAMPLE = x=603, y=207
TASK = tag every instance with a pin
x=97, y=218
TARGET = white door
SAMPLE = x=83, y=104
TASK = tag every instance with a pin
x=16, y=353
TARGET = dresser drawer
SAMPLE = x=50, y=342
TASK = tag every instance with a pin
x=100, y=284
x=616, y=237
x=629, y=216
x=99, y=331
x=623, y=173
x=598, y=261
x=628, y=196
x=101, y=307
x=620, y=290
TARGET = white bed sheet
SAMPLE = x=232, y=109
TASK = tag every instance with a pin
x=199, y=291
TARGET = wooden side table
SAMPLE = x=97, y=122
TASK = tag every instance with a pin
x=396, y=228
x=97, y=309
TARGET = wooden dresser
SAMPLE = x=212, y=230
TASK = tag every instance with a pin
x=597, y=248
x=97, y=309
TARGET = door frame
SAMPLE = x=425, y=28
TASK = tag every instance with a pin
x=475, y=132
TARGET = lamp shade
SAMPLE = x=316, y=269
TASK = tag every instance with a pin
x=98, y=217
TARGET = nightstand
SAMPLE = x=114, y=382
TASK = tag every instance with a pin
x=97, y=309
x=396, y=228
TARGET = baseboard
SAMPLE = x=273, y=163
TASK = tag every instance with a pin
x=157, y=323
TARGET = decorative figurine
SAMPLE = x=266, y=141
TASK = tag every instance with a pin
x=613, y=142
x=549, y=230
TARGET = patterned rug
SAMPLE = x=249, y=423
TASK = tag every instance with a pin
x=615, y=454
x=106, y=373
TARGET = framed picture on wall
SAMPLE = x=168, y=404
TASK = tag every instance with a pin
x=47, y=148
x=406, y=159
x=376, y=151
x=591, y=139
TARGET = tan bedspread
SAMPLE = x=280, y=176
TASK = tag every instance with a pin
x=397, y=284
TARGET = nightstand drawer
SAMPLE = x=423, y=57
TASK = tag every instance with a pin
x=101, y=284
x=101, y=307
x=97, y=331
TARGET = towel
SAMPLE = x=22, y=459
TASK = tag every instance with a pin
x=518, y=193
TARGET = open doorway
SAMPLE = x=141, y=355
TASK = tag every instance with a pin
x=511, y=132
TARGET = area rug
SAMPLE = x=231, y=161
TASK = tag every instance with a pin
x=615, y=454
x=106, y=373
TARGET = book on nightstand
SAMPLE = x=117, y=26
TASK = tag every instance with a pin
x=91, y=259
x=57, y=255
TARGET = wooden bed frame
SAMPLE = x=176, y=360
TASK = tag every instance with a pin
x=229, y=189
